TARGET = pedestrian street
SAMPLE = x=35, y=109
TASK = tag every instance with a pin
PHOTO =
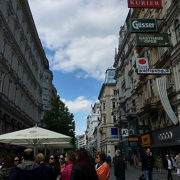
x=133, y=173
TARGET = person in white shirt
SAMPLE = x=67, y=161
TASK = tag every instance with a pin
x=168, y=166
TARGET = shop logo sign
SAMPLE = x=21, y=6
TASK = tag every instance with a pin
x=165, y=136
x=142, y=63
x=143, y=25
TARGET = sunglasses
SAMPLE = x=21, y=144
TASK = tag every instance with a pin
x=51, y=158
x=16, y=160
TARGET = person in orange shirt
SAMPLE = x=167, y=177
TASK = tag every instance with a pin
x=102, y=167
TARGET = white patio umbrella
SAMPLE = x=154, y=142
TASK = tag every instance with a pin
x=36, y=137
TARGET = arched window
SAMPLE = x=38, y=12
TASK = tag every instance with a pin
x=177, y=30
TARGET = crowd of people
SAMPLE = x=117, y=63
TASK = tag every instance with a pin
x=77, y=165
x=167, y=162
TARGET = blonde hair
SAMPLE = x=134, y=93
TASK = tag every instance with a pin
x=39, y=158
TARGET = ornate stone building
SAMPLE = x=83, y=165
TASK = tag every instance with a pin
x=158, y=124
x=109, y=133
x=22, y=64
x=126, y=86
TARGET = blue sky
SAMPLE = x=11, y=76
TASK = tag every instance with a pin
x=79, y=38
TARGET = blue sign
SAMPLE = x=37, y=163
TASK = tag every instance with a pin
x=114, y=132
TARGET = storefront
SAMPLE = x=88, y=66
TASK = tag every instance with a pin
x=166, y=141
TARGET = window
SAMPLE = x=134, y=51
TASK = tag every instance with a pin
x=149, y=57
x=104, y=119
x=45, y=91
x=177, y=30
x=114, y=119
x=151, y=87
x=113, y=105
x=46, y=79
x=104, y=106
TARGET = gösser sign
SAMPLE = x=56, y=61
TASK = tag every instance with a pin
x=152, y=40
x=143, y=25
x=144, y=4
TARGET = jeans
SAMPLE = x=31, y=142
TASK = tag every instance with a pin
x=120, y=178
x=148, y=174
x=169, y=177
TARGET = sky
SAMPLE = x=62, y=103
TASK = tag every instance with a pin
x=79, y=38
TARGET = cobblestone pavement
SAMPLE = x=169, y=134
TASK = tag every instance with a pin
x=134, y=174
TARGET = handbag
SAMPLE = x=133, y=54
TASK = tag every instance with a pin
x=142, y=177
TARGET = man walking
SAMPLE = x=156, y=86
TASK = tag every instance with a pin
x=28, y=170
x=119, y=166
x=168, y=165
x=147, y=164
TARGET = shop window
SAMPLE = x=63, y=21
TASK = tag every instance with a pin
x=177, y=30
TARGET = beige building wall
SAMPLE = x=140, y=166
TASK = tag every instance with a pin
x=107, y=101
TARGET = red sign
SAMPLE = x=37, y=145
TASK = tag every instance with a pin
x=144, y=4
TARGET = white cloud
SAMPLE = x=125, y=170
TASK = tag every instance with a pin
x=80, y=104
x=82, y=33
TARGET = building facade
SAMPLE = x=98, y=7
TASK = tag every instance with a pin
x=93, y=120
x=126, y=89
x=158, y=125
x=22, y=64
x=109, y=133
x=49, y=92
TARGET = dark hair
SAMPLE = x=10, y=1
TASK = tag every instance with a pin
x=83, y=157
x=71, y=156
x=102, y=156
x=7, y=162
x=28, y=154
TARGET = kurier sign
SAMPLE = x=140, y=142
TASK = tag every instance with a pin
x=144, y=4
x=143, y=25
x=152, y=40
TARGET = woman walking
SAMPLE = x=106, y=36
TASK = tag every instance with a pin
x=159, y=164
x=83, y=169
x=69, y=159
x=102, y=168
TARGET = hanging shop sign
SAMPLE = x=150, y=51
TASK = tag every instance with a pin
x=145, y=140
x=143, y=25
x=144, y=4
x=142, y=63
x=152, y=40
x=124, y=132
x=133, y=139
x=154, y=71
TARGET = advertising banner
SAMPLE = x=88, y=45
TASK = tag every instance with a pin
x=114, y=132
x=144, y=4
x=143, y=25
x=152, y=40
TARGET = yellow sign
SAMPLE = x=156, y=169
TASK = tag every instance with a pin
x=132, y=138
x=145, y=140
